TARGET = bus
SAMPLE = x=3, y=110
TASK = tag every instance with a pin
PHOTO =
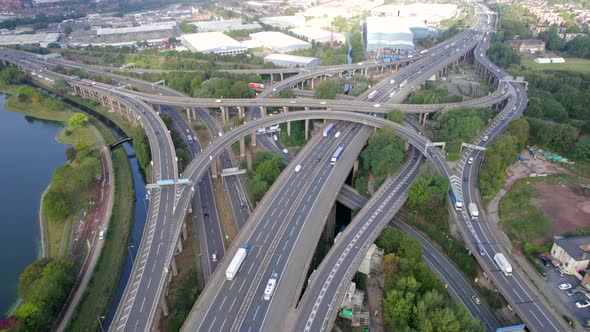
x=457, y=202
x=337, y=154
x=372, y=94
x=256, y=85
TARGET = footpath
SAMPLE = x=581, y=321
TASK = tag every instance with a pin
x=106, y=205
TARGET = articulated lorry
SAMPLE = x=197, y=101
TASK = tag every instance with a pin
x=236, y=262
x=473, y=212
x=503, y=264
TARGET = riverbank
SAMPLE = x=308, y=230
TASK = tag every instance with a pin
x=56, y=233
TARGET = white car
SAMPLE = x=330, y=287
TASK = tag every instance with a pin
x=285, y=151
x=565, y=286
x=582, y=304
x=376, y=105
x=101, y=235
x=322, y=103
x=476, y=299
x=337, y=135
x=486, y=138
x=292, y=102
x=214, y=257
x=218, y=101
x=470, y=160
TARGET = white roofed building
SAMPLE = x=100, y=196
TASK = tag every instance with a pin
x=286, y=60
x=279, y=42
x=318, y=35
x=383, y=33
x=212, y=42
x=284, y=22
x=224, y=25
x=428, y=13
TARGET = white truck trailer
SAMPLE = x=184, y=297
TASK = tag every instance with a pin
x=473, y=212
x=503, y=264
x=236, y=262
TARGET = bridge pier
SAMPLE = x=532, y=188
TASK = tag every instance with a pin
x=184, y=232
x=253, y=139
x=286, y=110
x=174, y=267
x=355, y=168
x=188, y=114
x=164, y=305
x=242, y=147
x=306, y=129
x=214, y=168
x=240, y=112
x=194, y=114
x=224, y=116
x=179, y=245
x=263, y=112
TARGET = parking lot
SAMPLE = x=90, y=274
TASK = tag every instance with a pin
x=553, y=291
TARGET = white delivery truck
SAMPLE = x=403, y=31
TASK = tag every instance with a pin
x=270, y=286
x=236, y=262
x=503, y=264
x=473, y=212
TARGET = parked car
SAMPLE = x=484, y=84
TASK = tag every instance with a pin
x=559, y=271
x=582, y=304
x=565, y=286
x=545, y=261
x=572, y=292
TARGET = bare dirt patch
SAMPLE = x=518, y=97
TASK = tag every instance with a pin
x=568, y=209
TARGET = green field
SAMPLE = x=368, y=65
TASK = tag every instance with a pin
x=571, y=64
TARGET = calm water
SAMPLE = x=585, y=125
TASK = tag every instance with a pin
x=29, y=155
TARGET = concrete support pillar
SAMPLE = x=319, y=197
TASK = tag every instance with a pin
x=419, y=118
x=194, y=114
x=223, y=111
x=329, y=229
x=355, y=168
x=281, y=76
x=286, y=110
x=174, y=267
x=240, y=112
x=253, y=139
x=242, y=146
x=164, y=305
x=306, y=129
x=179, y=245
x=262, y=112
x=188, y=114
x=312, y=81
x=214, y=169
x=184, y=232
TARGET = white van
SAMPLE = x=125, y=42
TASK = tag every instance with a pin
x=297, y=168
x=101, y=235
x=337, y=135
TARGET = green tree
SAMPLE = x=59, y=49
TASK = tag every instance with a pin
x=418, y=193
x=187, y=27
x=359, y=88
x=78, y=120
x=340, y=23
x=503, y=55
x=53, y=104
x=68, y=30
x=583, y=148
x=327, y=89
x=240, y=89
x=141, y=147
x=61, y=86
x=396, y=116
x=12, y=76
x=286, y=93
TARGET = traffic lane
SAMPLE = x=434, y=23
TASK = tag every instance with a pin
x=448, y=272
x=284, y=188
x=301, y=215
x=316, y=313
x=220, y=323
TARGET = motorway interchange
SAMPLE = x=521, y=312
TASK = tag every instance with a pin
x=237, y=305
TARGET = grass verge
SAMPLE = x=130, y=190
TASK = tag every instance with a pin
x=103, y=285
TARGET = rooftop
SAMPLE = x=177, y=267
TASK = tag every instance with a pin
x=206, y=41
x=387, y=25
x=278, y=40
x=578, y=247
x=430, y=12
x=290, y=58
x=142, y=28
x=224, y=25
x=27, y=39
x=317, y=34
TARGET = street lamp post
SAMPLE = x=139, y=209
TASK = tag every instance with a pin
x=130, y=255
x=99, y=318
